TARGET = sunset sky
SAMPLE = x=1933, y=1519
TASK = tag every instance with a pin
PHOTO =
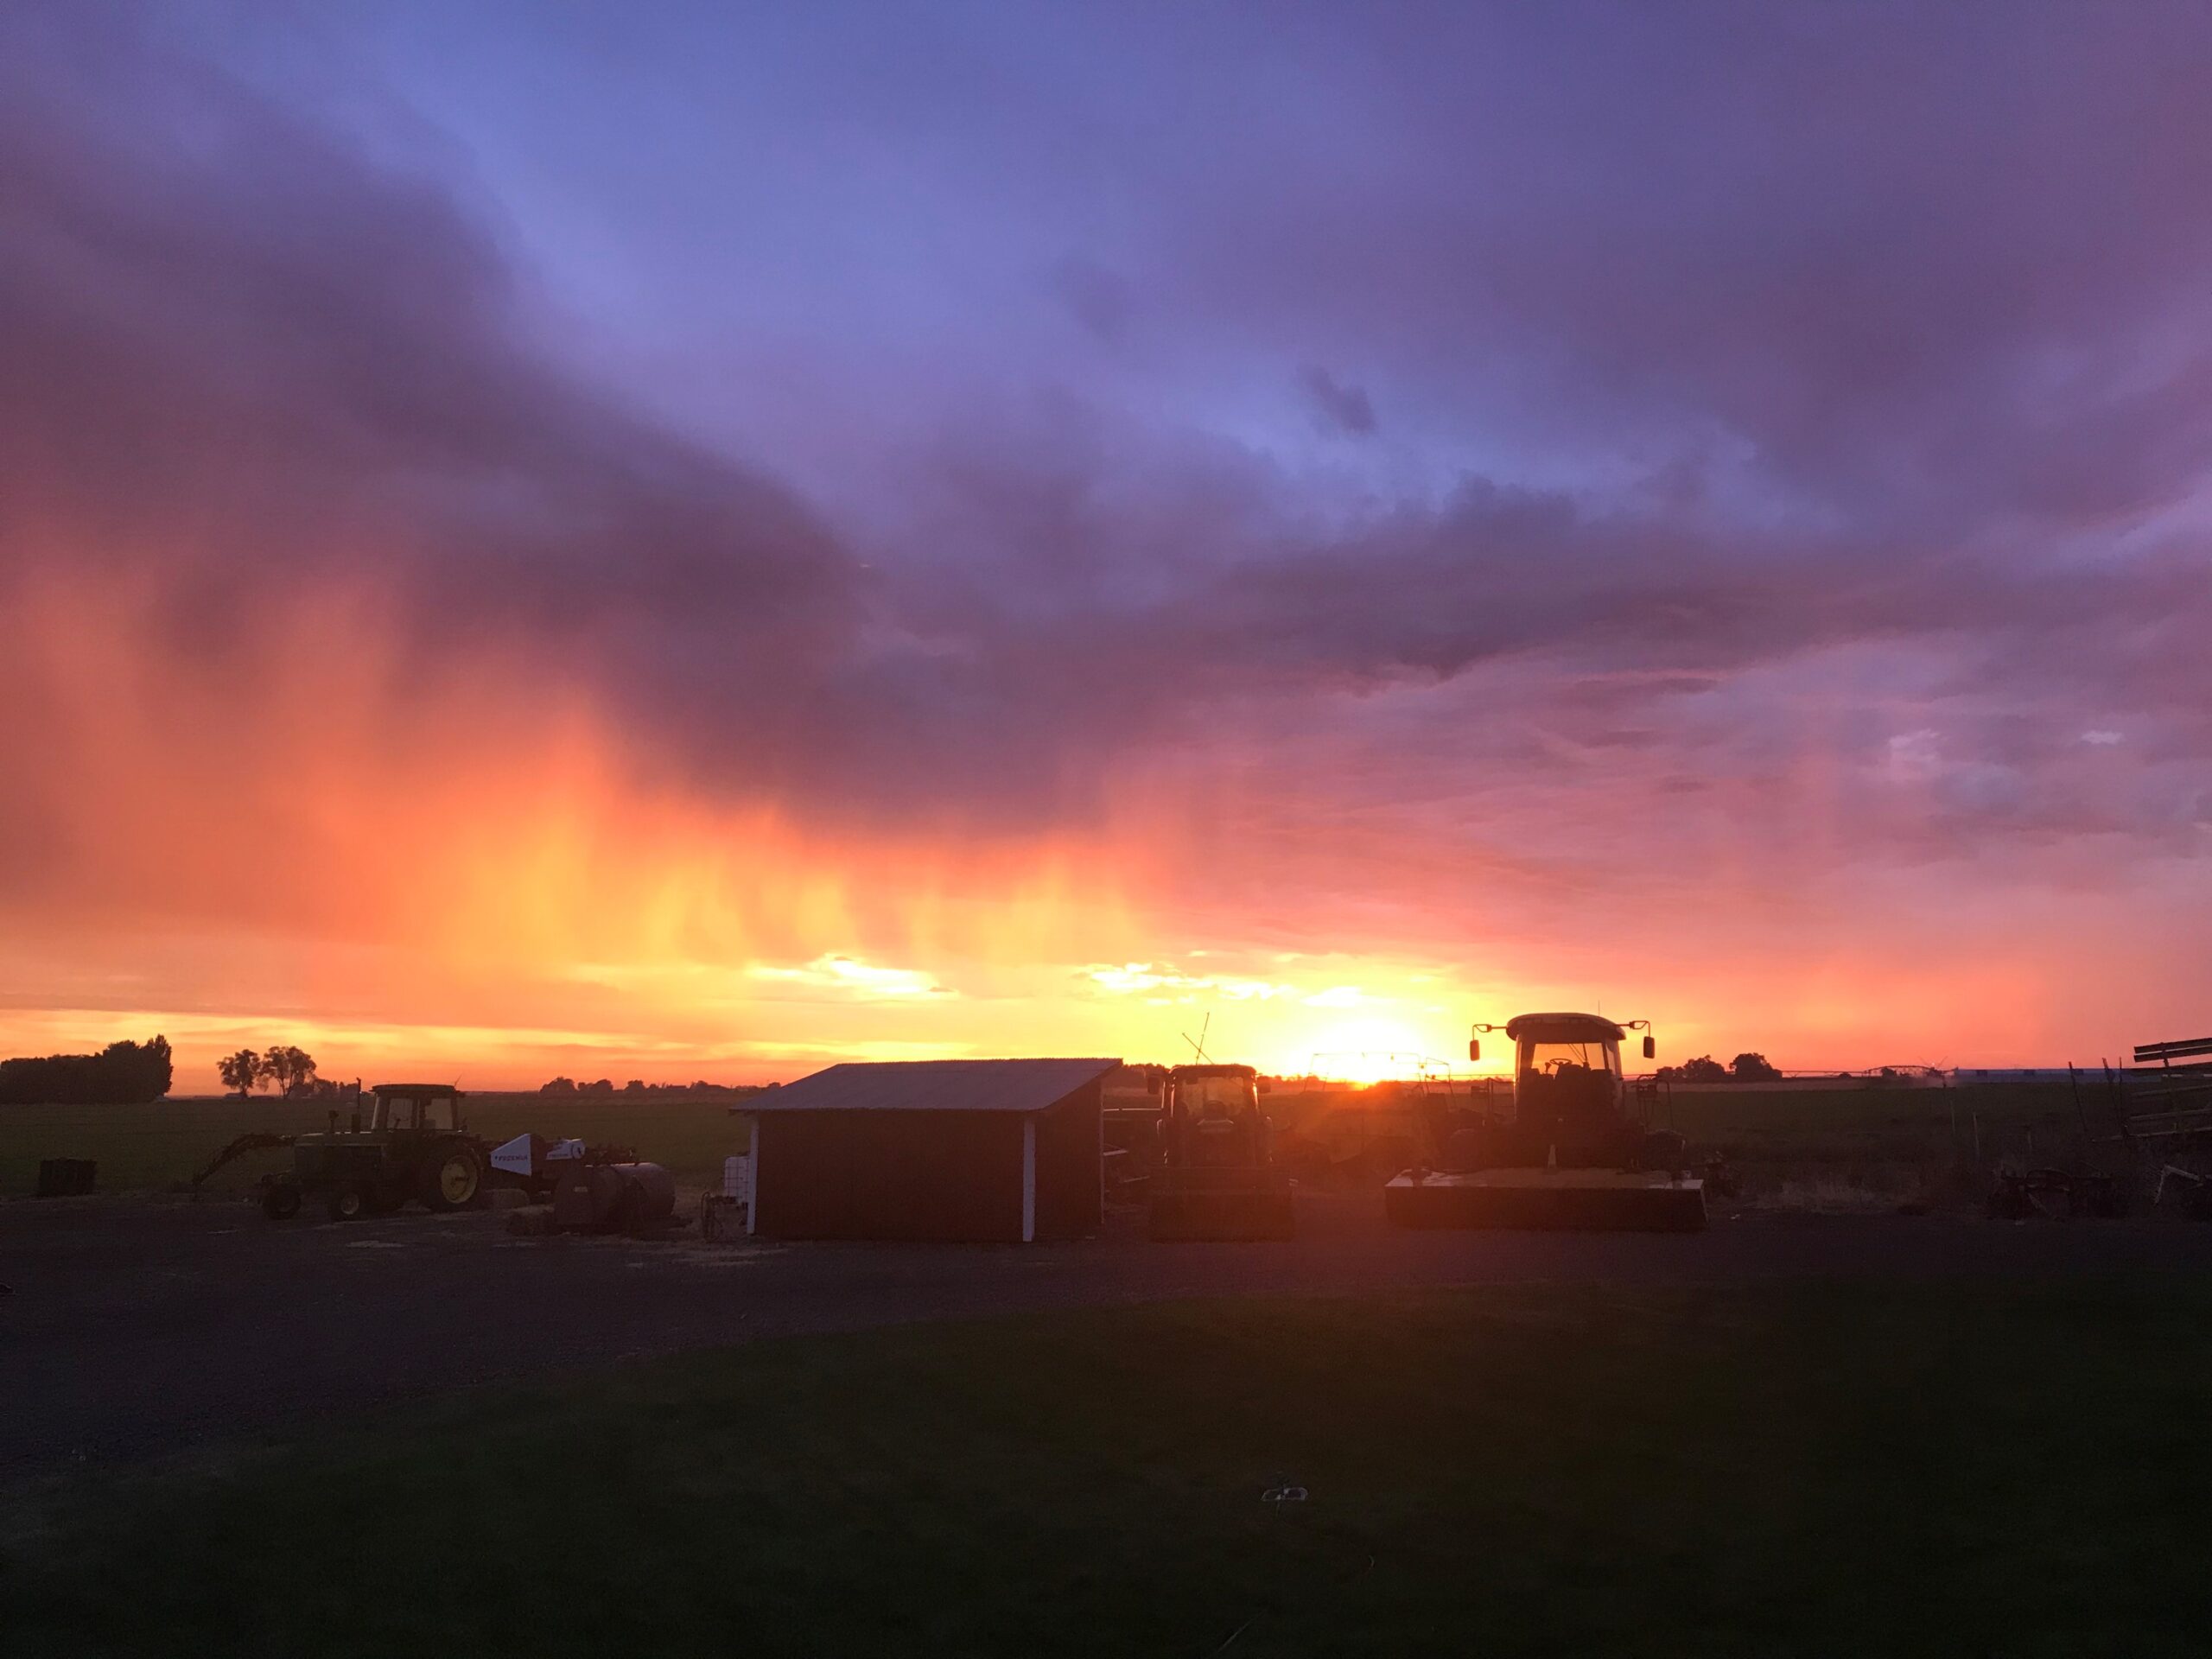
x=687, y=541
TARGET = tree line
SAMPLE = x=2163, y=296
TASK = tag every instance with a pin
x=288, y=1069
x=1744, y=1068
x=122, y=1074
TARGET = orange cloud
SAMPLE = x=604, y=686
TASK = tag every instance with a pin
x=309, y=834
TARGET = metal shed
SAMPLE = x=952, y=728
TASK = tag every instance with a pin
x=984, y=1151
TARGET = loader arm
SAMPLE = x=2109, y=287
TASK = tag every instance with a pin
x=239, y=1148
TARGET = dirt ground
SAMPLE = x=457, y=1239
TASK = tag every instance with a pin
x=134, y=1329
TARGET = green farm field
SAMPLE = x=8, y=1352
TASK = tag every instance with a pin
x=1908, y=1142
x=1889, y=1143
x=1814, y=1468
x=1874, y=1147
x=151, y=1147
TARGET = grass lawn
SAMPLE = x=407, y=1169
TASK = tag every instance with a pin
x=1838, y=1469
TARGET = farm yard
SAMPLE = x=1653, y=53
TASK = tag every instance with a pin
x=1628, y=1442
x=1849, y=1148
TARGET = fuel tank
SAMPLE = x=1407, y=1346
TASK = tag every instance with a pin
x=613, y=1199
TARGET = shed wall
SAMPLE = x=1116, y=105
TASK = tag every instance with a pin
x=947, y=1176
x=1070, y=1203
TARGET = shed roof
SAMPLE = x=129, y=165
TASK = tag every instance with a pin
x=932, y=1086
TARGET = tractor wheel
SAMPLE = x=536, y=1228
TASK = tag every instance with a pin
x=347, y=1201
x=453, y=1179
x=279, y=1200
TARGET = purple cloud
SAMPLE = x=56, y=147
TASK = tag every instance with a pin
x=1341, y=406
x=1715, y=343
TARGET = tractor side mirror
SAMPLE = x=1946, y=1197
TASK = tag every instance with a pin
x=1474, y=1048
x=1267, y=1085
x=1650, y=1047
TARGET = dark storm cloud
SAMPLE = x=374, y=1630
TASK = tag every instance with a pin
x=1884, y=313
x=1347, y=408
x=1919, y=266
x=233, y=352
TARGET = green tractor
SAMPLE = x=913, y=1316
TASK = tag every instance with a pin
x=415, y=1145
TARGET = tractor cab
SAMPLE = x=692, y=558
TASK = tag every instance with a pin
x=1570, y=1104
x=1210, y=1114
x=1216, y=1178
x=1566, y=1074
x=414, y=1107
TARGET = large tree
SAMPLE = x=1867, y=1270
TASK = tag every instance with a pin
x=291, y=1068
x=242, y=1071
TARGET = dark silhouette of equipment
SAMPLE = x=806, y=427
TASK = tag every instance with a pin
x=613, y=1198
x=255, y=1141
x=415, y=1145
x=1217, y=1177
x=2167, y=1104
x=67, y=1178
x=1577, y=1154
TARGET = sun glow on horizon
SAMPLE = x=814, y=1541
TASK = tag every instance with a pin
x=464, y=873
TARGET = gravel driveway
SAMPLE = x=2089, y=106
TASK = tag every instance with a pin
x=134, y=1328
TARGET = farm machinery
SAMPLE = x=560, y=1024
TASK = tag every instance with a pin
x=2162, y=1113
x=414, y=1144
x=1577, y=1154
x=1217, y=1177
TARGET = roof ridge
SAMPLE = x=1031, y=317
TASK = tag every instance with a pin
x=1015, y=1083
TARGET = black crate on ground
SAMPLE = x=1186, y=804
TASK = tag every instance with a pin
x=66, y=1178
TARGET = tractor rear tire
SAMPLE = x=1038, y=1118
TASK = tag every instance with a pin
x=453, y=1179
x=279, y=1200
x=348, y=1202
